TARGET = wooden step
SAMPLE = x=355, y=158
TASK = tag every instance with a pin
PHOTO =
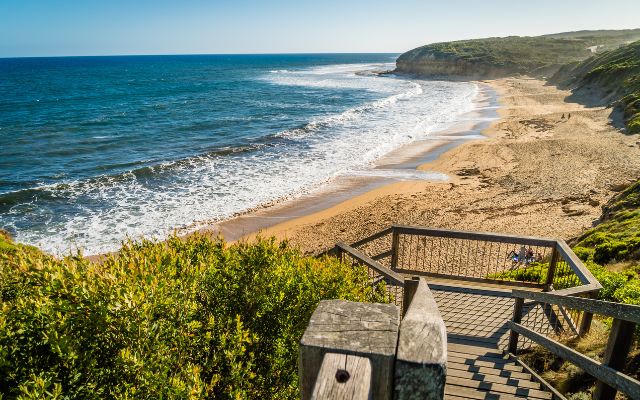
x=523, y=383
x=460, y=392
x=498, y=388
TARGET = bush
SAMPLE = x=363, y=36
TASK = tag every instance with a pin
x=191, y=318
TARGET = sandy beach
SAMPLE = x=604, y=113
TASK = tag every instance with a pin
x=545, y=168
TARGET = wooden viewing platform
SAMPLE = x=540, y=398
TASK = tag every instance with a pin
x=495, y=296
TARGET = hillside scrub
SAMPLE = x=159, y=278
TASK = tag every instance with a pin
x=193, y=318
x=616, y=75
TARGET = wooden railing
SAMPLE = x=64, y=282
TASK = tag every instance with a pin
x=536, y=263
x=374, y=351
x=625, y=317
x=564, y=309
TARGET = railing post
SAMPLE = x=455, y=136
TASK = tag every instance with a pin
x=587, y=317
x=517, y=318
x=395, y=245
x=615, y=355
x=337, y=252
x=410, y=288
x=421, y=360
x=551, y=272
x=358, y=329
x=343, y=377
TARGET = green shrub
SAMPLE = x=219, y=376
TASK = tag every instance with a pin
x=190, y=318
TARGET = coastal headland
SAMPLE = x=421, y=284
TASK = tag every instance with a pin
x=546, y=166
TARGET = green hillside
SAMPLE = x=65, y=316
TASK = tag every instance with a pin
x=497, y=57
x=615, y=75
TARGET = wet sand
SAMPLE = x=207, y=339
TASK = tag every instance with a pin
x=396, y=172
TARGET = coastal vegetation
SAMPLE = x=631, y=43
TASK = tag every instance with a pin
x=186, y=318
x=499, y=57
x=614, y=76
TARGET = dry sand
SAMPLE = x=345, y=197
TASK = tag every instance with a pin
x=536, y=174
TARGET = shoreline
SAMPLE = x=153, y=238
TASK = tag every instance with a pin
x=398, y=171
x=536, y=173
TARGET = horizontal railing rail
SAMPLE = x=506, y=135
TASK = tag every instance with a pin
x=390, y=276
x=625, y=317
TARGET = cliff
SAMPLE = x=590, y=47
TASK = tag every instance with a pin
x=500, y=57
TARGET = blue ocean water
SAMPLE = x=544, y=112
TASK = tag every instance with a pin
x=97, y=149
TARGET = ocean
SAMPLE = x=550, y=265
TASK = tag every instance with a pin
x=94, y=150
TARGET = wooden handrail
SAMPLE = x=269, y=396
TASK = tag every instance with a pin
x=372, y=237
x=578, y=267
x=603, y=373
x=390, y=276
x=487, y=236
x=625, y=312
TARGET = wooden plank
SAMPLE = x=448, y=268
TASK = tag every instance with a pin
x=482, y=357
x=488, y=370
x=373, y=237
x=608, y=375
x=492, y=378
x=408, y=271
x=500, y=364
x=626, y=312
x=583, y=273
x=392, y=277
x=343, y=377
x=468, y=393
x=484, y=236
x=477, y=350
x=496, y=387
x=382, y=255
x=578, y=290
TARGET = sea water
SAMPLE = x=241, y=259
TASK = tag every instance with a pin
x=94, y=150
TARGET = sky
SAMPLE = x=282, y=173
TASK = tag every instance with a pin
x=110, y=27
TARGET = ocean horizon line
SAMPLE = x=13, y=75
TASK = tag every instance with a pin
x=199, y=54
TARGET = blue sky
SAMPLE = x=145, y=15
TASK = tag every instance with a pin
x=105, y=27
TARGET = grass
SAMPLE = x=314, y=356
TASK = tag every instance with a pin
x=193, y=318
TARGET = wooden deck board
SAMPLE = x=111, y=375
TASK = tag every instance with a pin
x=476, y=320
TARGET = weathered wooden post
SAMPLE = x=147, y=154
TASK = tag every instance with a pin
x=551, y=272
x=410, y=289
x=356, y=329
x=587, y=318
x=517, y=318
x=615, y=355
x=395, y=246
x=421, y=360
x=343, y=377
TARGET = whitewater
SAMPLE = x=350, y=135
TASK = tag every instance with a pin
x=289, y=128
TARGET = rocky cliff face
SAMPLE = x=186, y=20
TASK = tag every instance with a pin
x=431, y=66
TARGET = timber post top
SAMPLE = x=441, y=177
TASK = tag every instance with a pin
x=388, y=357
